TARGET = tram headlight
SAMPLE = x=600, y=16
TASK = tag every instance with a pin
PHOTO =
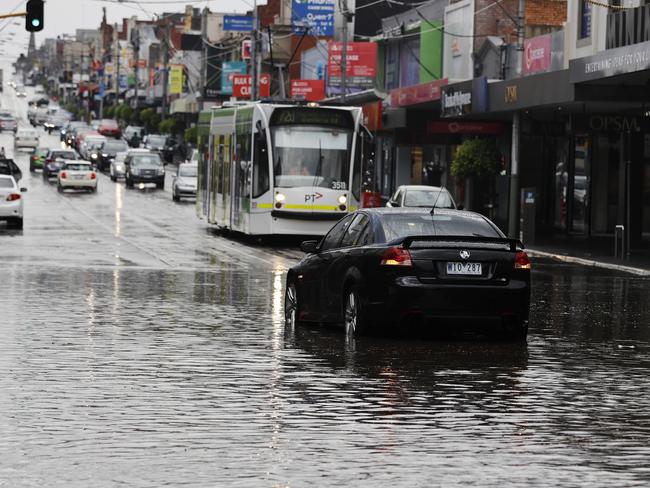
x=280, y=197
x=343, y=199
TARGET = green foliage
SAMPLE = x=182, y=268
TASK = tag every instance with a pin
x=109, y=112
x=476, y=157
x=171, y=125
x=124, y=113
x=190, y=134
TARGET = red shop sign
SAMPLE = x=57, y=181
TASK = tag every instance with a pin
x=310, y=90
x=411, y=95
x=361, y=59
x=537, y=54
x=241, y=86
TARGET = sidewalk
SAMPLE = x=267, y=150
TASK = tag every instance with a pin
x=593, y=251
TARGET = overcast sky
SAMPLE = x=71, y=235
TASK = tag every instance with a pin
x=65, y=16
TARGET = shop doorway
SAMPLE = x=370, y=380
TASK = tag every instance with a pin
x=607, y=187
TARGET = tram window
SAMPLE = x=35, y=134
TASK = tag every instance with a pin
x=261, y=178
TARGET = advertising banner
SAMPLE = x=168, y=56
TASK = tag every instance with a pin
x=176, y=79
x=310, y=90
x=246, y=49
x=537, y=54
x=239, y=23
x=228, y=70
x=361, y=59
x=411, y=95
x=212, y=73
x=241, y=86
x=315, y=15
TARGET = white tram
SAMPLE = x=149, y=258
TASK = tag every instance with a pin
x=280, y=168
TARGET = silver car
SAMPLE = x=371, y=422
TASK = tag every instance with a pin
x=117, y=168
x=184, y=181
x=421, y=196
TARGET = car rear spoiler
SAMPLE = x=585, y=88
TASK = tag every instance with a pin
x=465, y=241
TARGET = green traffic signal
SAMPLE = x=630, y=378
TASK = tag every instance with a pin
x=34, y=17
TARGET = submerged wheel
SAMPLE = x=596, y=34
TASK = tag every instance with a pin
x=353, y=319
x=291, y=305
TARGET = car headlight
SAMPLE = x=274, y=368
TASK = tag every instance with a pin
x=161, y=171
x=280, y=197
x=104, y=155
x=343, y=199
x=93, y=156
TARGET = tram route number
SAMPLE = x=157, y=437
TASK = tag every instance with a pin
x=339, y=185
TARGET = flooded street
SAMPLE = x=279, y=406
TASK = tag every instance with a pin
x=141, y=349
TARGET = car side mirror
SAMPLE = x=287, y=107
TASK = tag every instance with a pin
x=23, y=190
x=309, y=247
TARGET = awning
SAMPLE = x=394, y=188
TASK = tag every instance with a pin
x=360, y=98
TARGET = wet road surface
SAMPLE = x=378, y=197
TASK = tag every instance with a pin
x=140, y=349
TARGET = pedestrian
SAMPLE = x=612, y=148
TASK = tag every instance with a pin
x=2, y=153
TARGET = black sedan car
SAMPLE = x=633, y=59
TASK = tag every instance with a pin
x=106, y=152
x=395, y=268
x=143, y=167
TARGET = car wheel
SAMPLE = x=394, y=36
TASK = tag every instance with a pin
x=291, y=305
x=93, y=189
x=18, y=223
x=518, y=333
x=113, y=179
x=175, y=197
x=128, y=183
x=31, y=168
x=353, y=319
x=160, y=186
x=59, y=188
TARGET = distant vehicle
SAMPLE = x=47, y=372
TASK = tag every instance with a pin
x=394, y=268
x=26, y=138
x=72, y=134
x=95, y=124
x=184, y=182
x=54, y=161
x=194, y=157
x=82, y=135
x=69, y=126
x=88, y=148
x=40, y=116
x=8, y=123
x=165, y=145
x=107, y=152
x=109, y=128
x=144, y=167
x=421, y=196
x=20, y=91
x=37, y=159
x=10, y=168
x=55, y=122
x=117, y=168
x=11, y=201
x=133, y=134
x=78, y=175
x=39, y=102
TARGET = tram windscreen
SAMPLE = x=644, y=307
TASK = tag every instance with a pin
x=308, y=155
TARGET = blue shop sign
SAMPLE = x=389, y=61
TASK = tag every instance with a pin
x=241, y=23
x=315, y=15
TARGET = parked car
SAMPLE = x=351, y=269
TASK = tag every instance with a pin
x=54, y=161
x=117, y=168
x=144, y=167
x=77, y=174
x=26, y=138
x=11, y=201
x=37, y=159
x=400, y=267
x=107, y=151
x=185, y=181
x=8, y=123
x=133, y=134
x=109, y=128
x=421, y=196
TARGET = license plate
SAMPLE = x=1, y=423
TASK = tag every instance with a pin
x=80, y=177
x=473, y=269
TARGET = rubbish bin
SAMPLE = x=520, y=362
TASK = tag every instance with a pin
x=528, y=223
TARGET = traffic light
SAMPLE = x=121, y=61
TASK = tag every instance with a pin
x=34, y=17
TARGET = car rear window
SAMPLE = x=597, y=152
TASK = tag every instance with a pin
x=64, y=154
x=427, y=198
x=6, y=183
x=78, y=167
x=424, y=224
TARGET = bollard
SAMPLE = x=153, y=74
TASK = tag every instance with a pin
x=619, y=230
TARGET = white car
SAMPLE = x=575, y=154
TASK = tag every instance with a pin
x=11, y=202
x=26, y=138
x=184, y=183
x=421, y=196
x=77, y=174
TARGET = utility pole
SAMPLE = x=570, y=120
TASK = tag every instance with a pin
x=254, y=49
x=513, y=210
x=347, y=18
x=204, y=55
x=136, y=55
x=166, y=42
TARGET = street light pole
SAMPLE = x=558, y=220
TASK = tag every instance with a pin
x=166, y=42
x=347, y=17
x=254, y=49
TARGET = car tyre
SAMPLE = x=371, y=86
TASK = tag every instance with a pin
x=128, y=182
x=160, y=186
x=353, y=317
x=113, y=179
x=31, y=167
x=175, y=197
x=59, y=188
x=291, y=305
x=18, y=223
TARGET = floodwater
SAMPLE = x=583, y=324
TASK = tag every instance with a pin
x=138, y=349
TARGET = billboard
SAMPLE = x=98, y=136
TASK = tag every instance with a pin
x=315, y=15
x=228, y=70
x=176, y=79
x=310, y=90
x=212, y=77
x=241, y=86
x=241, y=23
x=361, y=59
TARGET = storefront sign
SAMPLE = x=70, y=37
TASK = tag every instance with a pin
x=246, y=49
x=228, y=70
x=552, y=88
x=241, y=23
x=627, y=26
x=537, y=54
x=612, y=62
x=607, y=123
x=361, y=63
x=411, y=95
x=176, y=79
x=315, y=16
x=462, y=127
x=310, y=90
x=241, y=86
x=455, y=102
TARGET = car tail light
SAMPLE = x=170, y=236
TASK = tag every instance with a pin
x=522, y=261
x=93, y=176
x=49, y=160
x=13, y=197
x=64, y=175
x=396, y=256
